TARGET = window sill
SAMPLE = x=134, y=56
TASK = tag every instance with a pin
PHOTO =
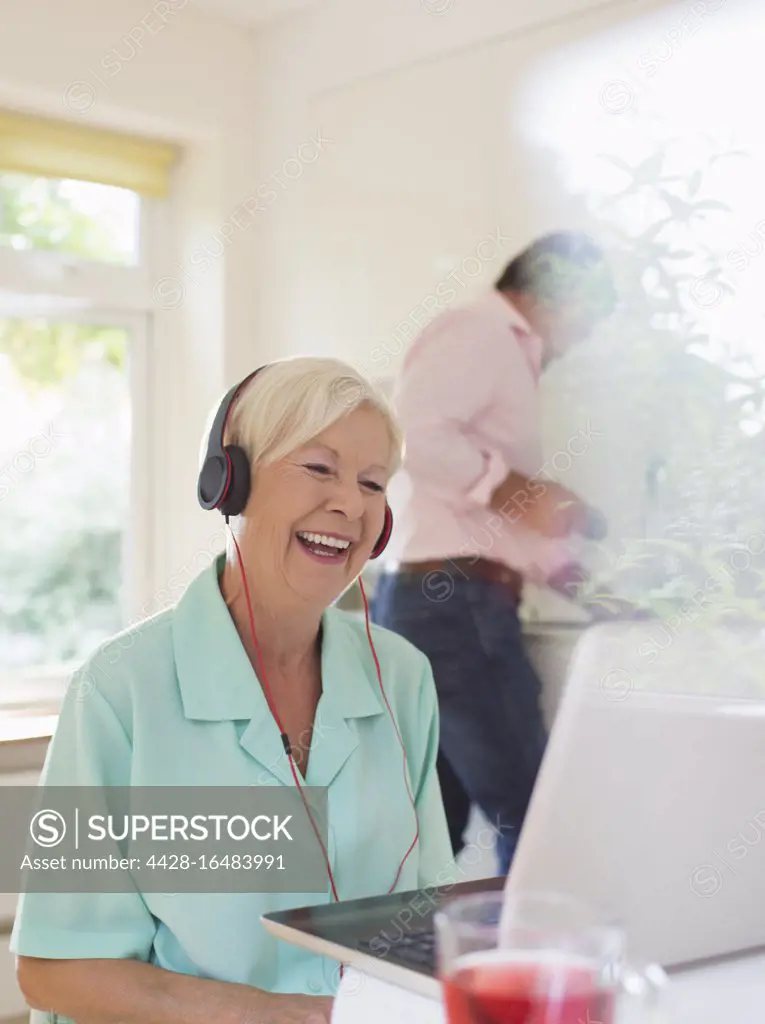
x=29, y=707
x=25, y=728
x=26, y=725
x=24, y=751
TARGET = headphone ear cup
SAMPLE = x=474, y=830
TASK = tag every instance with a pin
x=234, y=500
x=212, y=482
x=382, y=540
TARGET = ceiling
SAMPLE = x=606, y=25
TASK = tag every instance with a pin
x=253, y=12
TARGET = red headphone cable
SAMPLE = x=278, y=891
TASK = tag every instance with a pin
x=269, y=700
x=398, y=736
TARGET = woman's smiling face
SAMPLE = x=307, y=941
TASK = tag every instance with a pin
x=319, y=510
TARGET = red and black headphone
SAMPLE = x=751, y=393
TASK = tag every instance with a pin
x=224, y=480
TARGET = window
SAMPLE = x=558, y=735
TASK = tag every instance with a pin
x=80, y=209
x=73, y=451
x=64, y=489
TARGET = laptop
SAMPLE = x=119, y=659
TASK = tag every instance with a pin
x=650, y=803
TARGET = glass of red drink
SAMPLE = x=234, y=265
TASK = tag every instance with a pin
x=538, y=958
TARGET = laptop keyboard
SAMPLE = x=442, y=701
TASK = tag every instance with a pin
x=414, y=949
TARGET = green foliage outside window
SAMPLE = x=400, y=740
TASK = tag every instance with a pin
x=63, y=493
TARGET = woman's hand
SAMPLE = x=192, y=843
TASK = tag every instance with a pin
x=296, y=1009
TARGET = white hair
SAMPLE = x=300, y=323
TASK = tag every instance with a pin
x=293, y=400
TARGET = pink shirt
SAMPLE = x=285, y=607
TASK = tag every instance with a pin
x=468, y=401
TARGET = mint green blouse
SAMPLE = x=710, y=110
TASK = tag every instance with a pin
x=174, y=701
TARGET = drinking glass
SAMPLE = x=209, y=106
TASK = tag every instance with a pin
x=539, y=958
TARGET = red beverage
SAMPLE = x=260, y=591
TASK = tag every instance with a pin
x=529, y=987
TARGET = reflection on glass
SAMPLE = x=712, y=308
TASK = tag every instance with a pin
x=669, y=179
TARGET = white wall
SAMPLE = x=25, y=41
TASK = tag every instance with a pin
x=188, y=80
x=382, y=76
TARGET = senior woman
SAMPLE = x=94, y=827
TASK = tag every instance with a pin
x=180, y=700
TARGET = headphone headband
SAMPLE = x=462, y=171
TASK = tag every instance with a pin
x=218, y=428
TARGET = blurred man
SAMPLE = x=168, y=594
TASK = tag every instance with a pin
x=477, y=514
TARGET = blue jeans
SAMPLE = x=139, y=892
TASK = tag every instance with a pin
x=492, y=731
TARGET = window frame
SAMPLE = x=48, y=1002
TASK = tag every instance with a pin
x=73, y=280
